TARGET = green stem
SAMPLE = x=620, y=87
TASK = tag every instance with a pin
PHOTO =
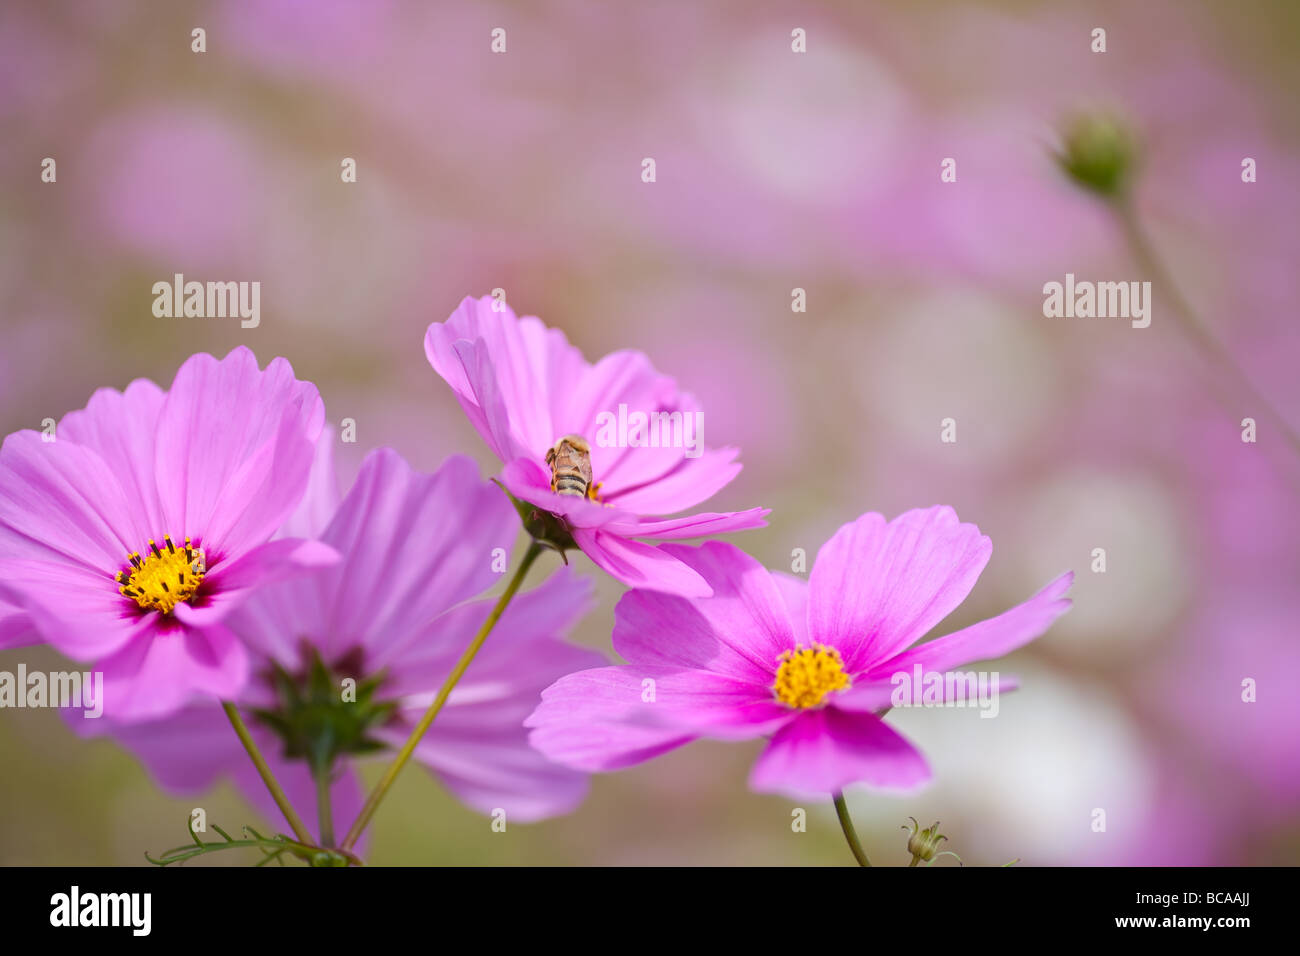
x=264, y=771
x=381, y=788
x=1202, y=336
x=846, y=824
x=322, y=775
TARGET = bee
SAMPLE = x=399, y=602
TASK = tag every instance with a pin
x=570, y=462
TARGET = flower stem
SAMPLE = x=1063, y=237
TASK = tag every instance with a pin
x=1144, y=253
x=264, y=771
x=326, y=817
x=381, y=788
x=846, y=824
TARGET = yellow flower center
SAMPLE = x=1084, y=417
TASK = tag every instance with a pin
x=164, y=577
x=808, y=674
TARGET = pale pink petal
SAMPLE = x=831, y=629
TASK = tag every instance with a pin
x=530, y=626
x=823, y=751
x=877, y=587
x=413, y=545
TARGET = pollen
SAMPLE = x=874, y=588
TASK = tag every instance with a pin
x=163, y=577
x=808, y=674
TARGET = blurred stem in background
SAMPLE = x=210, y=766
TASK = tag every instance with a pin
x=404, y=755
x=1100, y=154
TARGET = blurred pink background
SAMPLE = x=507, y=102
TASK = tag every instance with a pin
x=775, y=170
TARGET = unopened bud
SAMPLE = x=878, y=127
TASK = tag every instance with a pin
x=923, y=844
x=1099, y=152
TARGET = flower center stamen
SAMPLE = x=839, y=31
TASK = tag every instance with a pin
x=164, y=577
x=808, y=674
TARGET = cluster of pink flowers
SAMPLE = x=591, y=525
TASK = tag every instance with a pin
x=192, y=544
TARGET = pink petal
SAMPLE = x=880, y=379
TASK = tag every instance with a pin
x=691, y=481
x=234, y=449
x=78, y=611
x=878, y=695
x=640, y=565
x=492, y=360
x=159, y=672
x=741, y=631
x=823, y=751
x=595, y=720
x=693, y=526
x=877, y=587
x=59, y=501
x=988, y=639
x=321, y=499
x=523, y=650
x=16, y=627
x=229, y=584
x=794, y=591
x=121, y=428
x=413, y=545
x=599, y=716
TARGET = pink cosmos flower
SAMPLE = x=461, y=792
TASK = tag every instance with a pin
x=809, y=664
x=524, y=387
x=393, y=615
x=128, y=538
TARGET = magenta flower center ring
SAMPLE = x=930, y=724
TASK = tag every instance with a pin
x=808, y=674
x=164, y=577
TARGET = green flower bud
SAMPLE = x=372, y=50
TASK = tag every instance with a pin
x=924, y=844
x=1099, y=152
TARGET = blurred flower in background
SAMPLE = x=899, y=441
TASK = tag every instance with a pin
x=775, y=171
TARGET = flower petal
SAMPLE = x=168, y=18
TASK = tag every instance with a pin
x=78, y=611
x=413, y=545
x=234, y=449
x=877, y=587
x=640, y=565
x=826, y=750
x=59, y=501
x=161, y=670
x=990, y=638
x=231, y=583
x=121, y=427
x=741, y=631
x=693, y=526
